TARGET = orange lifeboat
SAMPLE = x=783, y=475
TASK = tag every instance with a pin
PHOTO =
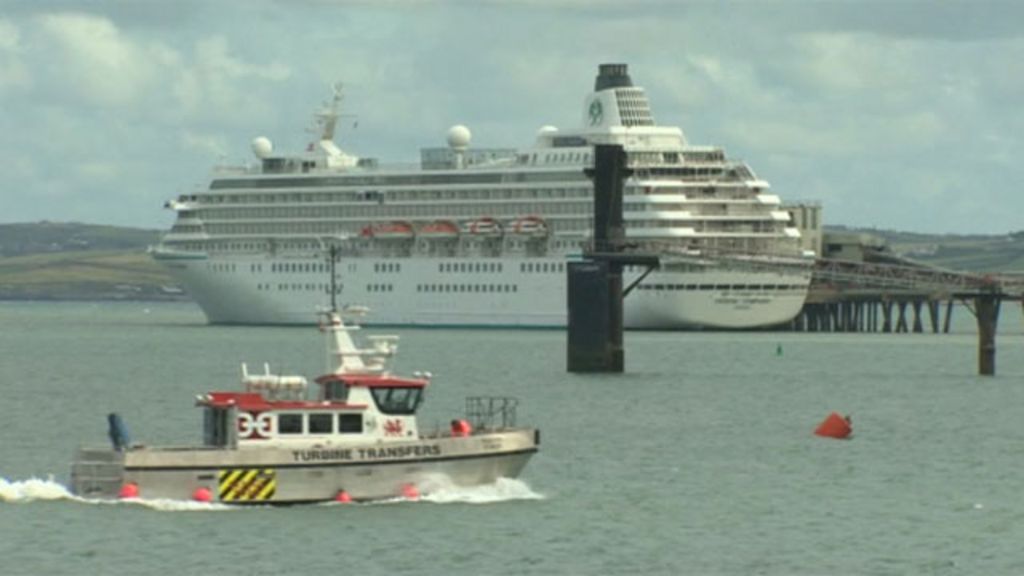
x=389, y=231
x=529, y=226
x=482, y=227
x=439, y=229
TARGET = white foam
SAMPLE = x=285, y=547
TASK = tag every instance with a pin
x=439, y=489
x=37, y=489
x=169, y=505
x=442, y=491
x=33, y=489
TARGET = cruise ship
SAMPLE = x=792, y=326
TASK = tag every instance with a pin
x=482, y=237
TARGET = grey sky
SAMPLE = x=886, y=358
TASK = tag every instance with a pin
x=904, y=115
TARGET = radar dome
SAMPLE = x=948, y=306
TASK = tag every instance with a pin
x=262, y=147
x=458, y=137
x=547, y=130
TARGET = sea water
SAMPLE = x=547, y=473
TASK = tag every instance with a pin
x=699, y=459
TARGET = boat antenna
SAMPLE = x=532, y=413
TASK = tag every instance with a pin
x=332, y=252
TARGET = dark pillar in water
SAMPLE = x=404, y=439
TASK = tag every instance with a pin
x=986, y=309
x=933, y=315
x=595, y=285
x=901, y=323
x=595, y=336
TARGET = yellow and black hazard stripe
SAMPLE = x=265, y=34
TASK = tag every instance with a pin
x=246, y=484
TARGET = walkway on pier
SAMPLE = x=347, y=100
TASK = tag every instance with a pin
x=847, y=295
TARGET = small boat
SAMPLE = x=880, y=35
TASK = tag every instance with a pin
x=438, y=229
x=389, y=231
x=482, y=227
x=357, y=439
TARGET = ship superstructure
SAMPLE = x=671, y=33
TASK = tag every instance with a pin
x=481, y=237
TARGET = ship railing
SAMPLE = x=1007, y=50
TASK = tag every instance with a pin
x=491, y=412
x=764, y=254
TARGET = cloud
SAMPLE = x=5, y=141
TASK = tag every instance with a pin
x=13, y=72
x=871, y=107
x=212, y=145
x=105, y=67
x=97, y=61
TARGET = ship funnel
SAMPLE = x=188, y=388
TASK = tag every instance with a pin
x=615, y=102
x=612, y=76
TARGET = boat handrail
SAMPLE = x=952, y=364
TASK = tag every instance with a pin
x=484, y=412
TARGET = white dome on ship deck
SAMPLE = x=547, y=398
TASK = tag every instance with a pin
x=262, y=147
x=458, y=137
x=547, y=130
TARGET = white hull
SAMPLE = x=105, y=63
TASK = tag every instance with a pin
x=496, y=293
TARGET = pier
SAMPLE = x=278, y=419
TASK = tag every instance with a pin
x=861, y=289
x=848, y=296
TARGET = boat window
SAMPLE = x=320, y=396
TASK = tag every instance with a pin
x=350, y=423
x=321, y=423
x=289, y=423
x=215, y=427
x=397, y=400
x=337, y=392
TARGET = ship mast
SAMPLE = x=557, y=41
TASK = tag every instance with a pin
x=326, y=119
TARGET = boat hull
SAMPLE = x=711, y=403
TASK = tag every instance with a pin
x=301, y=474
x=495, y=292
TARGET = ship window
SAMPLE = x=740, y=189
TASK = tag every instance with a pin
x=397, y=400
x=321, y=423
x=289, y=423
x=350, y=423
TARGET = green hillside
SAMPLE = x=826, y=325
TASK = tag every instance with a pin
x=70, y=261
x=974, y=253
x=41, y=237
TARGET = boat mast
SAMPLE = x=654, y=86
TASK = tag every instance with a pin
x=332, y=251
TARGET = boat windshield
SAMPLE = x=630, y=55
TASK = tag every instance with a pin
x=398, y=400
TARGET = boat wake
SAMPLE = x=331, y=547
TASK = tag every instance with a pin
x=33, y=489
x=439, y=490
x=39, y=490
x=442, y=491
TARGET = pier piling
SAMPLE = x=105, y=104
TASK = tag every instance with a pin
x=986, y=310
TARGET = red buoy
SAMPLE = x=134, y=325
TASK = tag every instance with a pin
x=129, y=490
x=410, y=492
x=835, y=426
x=202, y=494
x=343, y=497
